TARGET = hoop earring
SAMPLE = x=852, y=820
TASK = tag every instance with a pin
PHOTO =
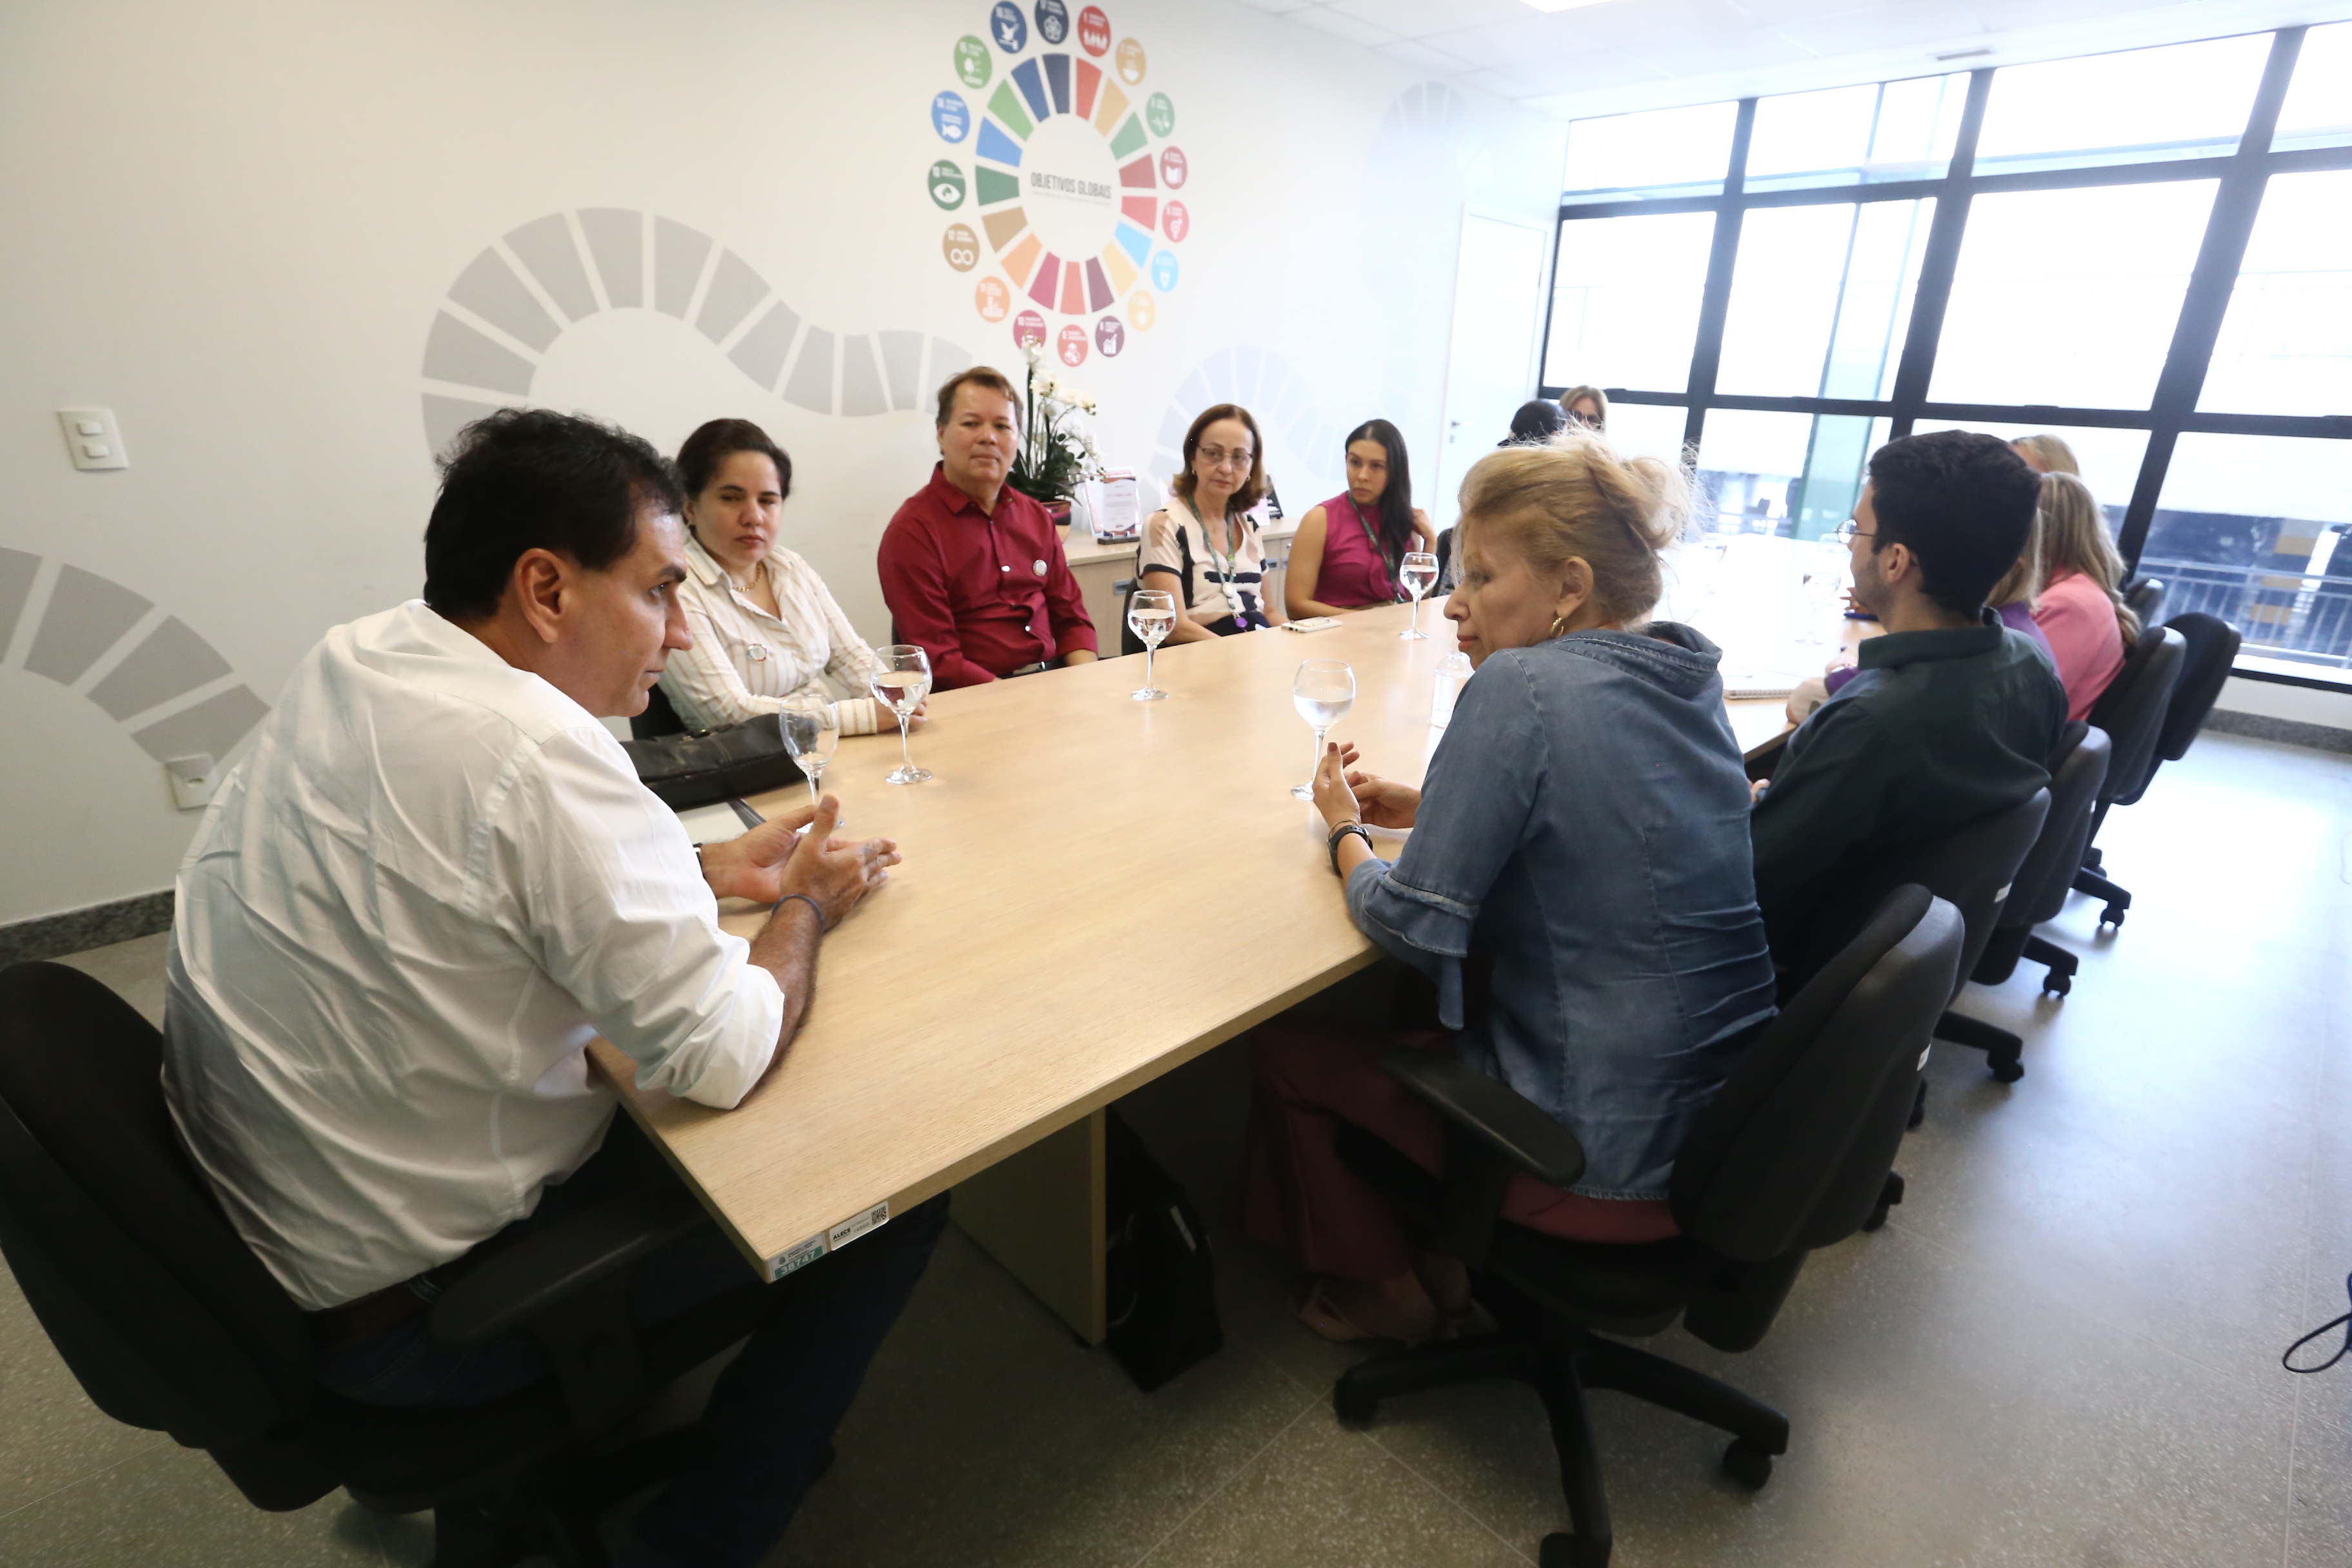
x=1559, y=627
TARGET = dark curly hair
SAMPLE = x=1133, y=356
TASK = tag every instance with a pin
x=527, y=478
x=1962, y=502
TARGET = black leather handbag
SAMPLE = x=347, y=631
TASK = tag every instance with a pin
x=704, y=766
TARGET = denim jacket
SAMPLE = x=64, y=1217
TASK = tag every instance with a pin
x=1583, y=828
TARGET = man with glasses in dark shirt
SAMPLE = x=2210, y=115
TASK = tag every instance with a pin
x=1952, y=717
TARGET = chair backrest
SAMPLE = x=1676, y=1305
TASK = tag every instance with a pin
x=658, y=718
x=164, y=1315
x=2042, y=881
x=2209, y=649
x=1793, y=1151
x=1973, y=868
x=2132, y=709
x=2144, y=597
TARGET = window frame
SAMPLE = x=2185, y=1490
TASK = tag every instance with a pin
x=2243, y=178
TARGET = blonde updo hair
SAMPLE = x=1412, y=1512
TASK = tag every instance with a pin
x=1574, y=498
x=2048, y=453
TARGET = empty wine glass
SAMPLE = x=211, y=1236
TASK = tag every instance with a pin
x=1418, y=573
x=1150, y=615
x=1323, y=691
x=900, y=685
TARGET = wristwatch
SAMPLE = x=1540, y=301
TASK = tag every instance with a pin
x=1342, y=831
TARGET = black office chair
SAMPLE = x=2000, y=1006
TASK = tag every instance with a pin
x=1791, y=1154
x=2037, y=893
x=2144, y=597
x=171, y=1324
x=1971, y=867
x=658, y=718
x=2132, y=710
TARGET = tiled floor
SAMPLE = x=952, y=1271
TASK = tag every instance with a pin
x=2064, y=1350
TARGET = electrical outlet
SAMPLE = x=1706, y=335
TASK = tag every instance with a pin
x=193, y=781
x=92, y=438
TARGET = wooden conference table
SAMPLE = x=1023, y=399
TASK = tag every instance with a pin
x=1095, y=890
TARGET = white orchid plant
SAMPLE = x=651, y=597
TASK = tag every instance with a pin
x=1057, y=449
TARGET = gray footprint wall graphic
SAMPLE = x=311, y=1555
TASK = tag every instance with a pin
x=171, y=691
x=514, y=299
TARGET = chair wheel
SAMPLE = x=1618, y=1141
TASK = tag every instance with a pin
x=1748, y=1464
x=1561, y=1550
x=1352, y=1405
x=2008, y=1071
x=2113, y=915
x=2058, y=984
x=1878, y=1218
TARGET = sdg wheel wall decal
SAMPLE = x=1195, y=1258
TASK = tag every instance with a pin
x=1070, y=175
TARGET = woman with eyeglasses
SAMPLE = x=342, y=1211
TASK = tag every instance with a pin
x=1202, y=547
x=1587, y=406
x=1348, y=550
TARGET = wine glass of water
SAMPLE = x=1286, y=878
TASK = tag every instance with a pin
x=900, y=685
x=810, y=742
x=1150, y=615
x=1418, y=573
x=1323, y=691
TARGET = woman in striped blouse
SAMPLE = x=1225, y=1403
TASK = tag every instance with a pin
x=767, y=632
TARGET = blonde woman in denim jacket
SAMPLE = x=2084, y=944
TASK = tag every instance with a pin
x=1578, y=887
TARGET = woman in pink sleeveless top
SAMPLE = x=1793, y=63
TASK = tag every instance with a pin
x=2082, y=610
x=1346, y=553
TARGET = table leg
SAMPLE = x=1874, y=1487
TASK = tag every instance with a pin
x=1041, y=1213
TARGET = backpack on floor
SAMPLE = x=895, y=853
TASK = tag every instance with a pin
x=1162, y=1281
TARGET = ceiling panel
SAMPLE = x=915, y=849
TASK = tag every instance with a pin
x=1428, y=57
x=1923, y=24
x=1419, y=19
x=1703, y=52
x=1324, y=19
x=1652, y=24
x=1619, y=54
x=1514, y=44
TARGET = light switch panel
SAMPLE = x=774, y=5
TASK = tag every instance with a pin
x=194, y=779
x=92, y=438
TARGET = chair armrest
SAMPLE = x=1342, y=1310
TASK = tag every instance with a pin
x=1493, y=1113
x=506, y=1293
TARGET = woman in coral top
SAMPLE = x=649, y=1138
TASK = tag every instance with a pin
x=1346, y=551
x=2081, y=608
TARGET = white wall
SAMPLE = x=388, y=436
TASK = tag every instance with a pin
x=233, y=224
x=2272, y=699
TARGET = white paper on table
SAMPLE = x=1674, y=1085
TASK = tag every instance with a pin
x=1117, y=513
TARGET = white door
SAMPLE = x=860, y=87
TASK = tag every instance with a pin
x=1490, y=366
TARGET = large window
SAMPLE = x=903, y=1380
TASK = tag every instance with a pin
x=2140, y=252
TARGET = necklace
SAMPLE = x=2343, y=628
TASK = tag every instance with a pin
x=1229, y=562
x=1380, y=550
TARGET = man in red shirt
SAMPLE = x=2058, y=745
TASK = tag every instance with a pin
x=972, y=568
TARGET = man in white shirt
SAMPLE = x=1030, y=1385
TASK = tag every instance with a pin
x=434, y=880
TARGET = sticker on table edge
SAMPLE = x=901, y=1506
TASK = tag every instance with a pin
x=800, y=1254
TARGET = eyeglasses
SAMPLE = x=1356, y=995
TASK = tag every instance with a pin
x=1217, y=457
x=1847, y=532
